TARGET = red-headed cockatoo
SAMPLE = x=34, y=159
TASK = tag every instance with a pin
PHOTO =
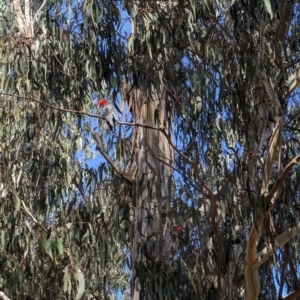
x=109, y=113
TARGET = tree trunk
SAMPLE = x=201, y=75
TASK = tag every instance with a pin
x=153, y=186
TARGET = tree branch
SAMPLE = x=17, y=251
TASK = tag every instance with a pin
x=293, y=295
x=293, y=82
x=34, y=220
x=35, y=16
x=250, y=273
x=109, y=160
x=214, y=225
x=272, y=96
x=284, y=174
x=263, y=255
x=80, y=112
x=19, y=15
x=3, y=296
x=28, y=22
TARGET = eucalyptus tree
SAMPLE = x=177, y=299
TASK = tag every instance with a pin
x=200, y=182
x=60, y=236
x=231, y=94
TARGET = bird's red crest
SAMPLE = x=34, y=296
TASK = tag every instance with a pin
x=177, y=228
x=102, y=102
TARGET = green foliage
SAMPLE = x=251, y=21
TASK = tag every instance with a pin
x=66, y=228
x=59, y=237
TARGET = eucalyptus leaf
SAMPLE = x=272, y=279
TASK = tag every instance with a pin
x=269, y=7
x=218, y=123
x=81, y=284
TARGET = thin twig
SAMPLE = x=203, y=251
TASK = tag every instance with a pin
x=34, y=220
x=59, y=60
x=35, y=16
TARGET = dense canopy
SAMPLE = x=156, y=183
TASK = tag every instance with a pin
x=195, y=195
